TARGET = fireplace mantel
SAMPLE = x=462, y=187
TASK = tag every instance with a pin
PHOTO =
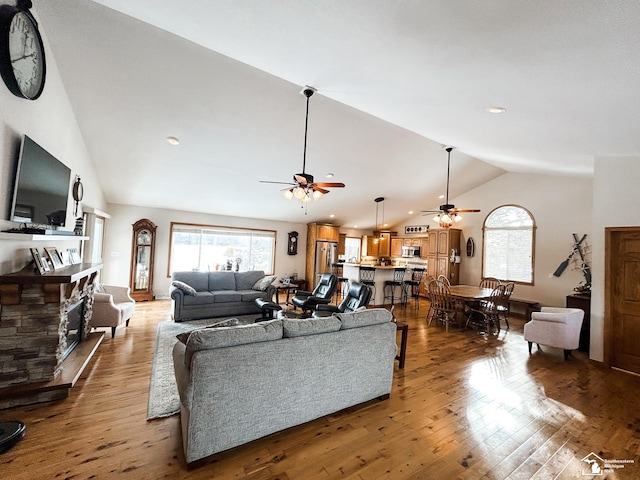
x=34, y=323
x=71, y=277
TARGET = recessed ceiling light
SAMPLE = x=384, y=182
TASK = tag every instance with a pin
x=329, y=175
x=355, y=226
x=331, y=216
x=410, y=212
x=441, y=197
x=496, y=110
x=173, y=140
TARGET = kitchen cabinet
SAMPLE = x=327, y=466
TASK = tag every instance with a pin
x=342, y=240
x=441, y=242
x=396, y=247
x=398, y=243
x=327, y=233
x=379, y=244
x=424, y=247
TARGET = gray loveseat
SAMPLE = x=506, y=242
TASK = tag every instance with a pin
x=241, y=383
x=217, y=294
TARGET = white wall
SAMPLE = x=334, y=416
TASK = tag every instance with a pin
x=118, y=237
x=49, y=121
x=560, y=206
x=615, y=205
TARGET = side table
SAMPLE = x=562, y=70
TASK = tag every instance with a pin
x=402, y=353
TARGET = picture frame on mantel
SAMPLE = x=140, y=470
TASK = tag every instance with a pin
x=42, y=266
x=54, y=256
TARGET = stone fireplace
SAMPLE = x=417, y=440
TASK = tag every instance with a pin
x=44, y=332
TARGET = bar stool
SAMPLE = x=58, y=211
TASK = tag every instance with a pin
x=367, y=276
x=413, y=287
x=343, y=283
x=391, y=285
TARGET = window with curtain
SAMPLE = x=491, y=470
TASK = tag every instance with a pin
x=209, y=248
x=508, y=246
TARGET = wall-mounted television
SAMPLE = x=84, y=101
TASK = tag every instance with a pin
x=41, y=187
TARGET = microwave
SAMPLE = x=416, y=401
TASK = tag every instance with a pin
x=410, y=251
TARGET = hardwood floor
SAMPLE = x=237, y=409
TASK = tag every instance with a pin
x=466, y=406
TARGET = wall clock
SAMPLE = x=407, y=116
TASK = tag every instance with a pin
x=22, y=61
x=292, y=245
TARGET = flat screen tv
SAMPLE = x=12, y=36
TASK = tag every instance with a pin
x=41, y=187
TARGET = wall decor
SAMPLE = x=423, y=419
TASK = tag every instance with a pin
x=471, y=247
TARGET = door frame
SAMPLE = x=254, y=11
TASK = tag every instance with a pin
x=609, y=233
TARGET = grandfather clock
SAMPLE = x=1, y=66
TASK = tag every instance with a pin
x=142, y=251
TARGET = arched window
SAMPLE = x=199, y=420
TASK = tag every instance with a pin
x=508, y=246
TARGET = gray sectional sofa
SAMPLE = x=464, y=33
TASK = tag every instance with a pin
x=217, y=294
x=244, y=382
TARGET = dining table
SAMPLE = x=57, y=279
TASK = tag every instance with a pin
x=468, y=294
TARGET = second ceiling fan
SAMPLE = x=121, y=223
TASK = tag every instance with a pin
x=448, y=214
x=303, y=186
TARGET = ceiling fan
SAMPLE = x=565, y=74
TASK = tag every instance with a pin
x=303, y=186
x=448, y=213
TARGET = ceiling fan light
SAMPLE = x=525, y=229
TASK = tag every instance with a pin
x=288, y=194
x=457, y=218
x=317, y=195
x=299, y=193
x=306, y=198
x=436, y=218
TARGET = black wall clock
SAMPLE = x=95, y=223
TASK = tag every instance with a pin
x=292, y=245
x=22, y=61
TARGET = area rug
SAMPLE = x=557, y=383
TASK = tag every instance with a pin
x=164, y=400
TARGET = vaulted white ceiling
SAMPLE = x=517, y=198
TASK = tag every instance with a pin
x=395, y=80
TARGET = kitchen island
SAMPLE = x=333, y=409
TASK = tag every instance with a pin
x=352, y=272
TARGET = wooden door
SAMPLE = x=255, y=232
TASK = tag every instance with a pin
x=623, y=297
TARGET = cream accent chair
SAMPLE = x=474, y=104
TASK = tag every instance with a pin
x=112, y=306
x=555, y=327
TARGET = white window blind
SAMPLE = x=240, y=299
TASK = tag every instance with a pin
x=209, y=248
x=508, y=244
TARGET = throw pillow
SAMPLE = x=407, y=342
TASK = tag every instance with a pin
x=264, y=283
x=229, y=322
x=187, y=289
x=99, y=288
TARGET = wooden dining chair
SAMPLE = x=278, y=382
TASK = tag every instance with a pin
x=503, y=306
x=444, y=306
x=427, y=280
x=489, y=282
x=486, y=314
x=444, y=279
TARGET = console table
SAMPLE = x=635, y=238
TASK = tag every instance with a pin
x=583, y=302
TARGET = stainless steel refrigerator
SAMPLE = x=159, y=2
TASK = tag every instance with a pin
x=326, y=255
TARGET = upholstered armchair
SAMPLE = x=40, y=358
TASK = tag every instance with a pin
x=322, y=294
x=555, y=327
x=112, y=306
x=357, y=297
